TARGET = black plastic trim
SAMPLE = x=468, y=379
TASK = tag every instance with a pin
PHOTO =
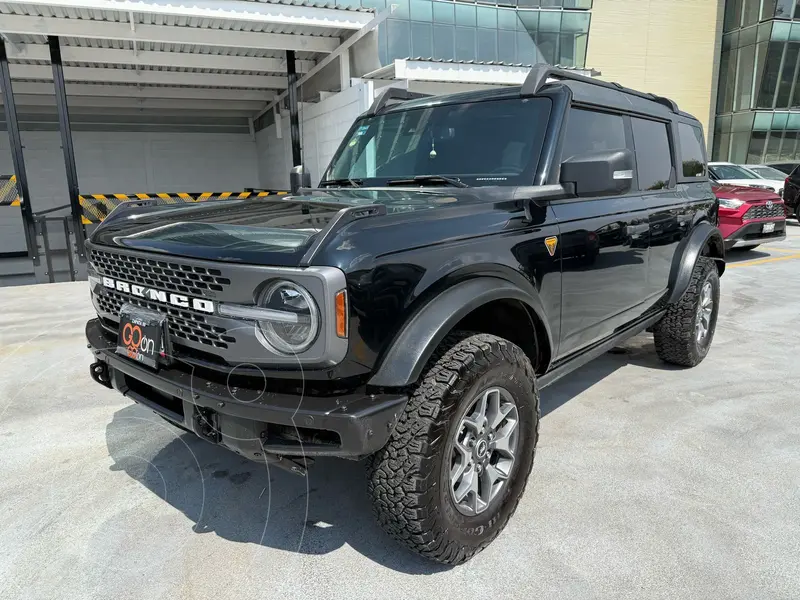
x=686, y=257
x=389, y=94
x=539, y=73
x=342, y=218
x=411, y=349
x=362, y=421
x=574, y=361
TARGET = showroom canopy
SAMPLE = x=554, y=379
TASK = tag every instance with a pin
x=224, y=57
x=208, y=65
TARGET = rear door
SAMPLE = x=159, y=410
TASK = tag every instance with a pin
x=604, y=240
x=669, y=216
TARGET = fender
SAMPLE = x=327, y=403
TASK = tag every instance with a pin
x=689, y=250
x=411, y=349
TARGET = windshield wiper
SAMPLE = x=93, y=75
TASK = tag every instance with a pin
x=428, y=179
x=341, y=182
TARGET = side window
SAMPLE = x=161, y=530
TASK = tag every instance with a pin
x=692, y=156
x=653, y=158
x=590, y=131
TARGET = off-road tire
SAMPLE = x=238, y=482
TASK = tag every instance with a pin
x=675, y=334
x=406, y=480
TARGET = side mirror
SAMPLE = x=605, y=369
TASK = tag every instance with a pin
x=299, y=178
x=600, y=173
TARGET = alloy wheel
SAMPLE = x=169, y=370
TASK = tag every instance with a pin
x=704, y=310
x=483, y=451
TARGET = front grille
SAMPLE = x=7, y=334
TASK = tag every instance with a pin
x=160, y=274
x=183, y=325
x=764, y=211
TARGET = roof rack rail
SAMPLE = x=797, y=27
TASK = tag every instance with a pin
x=539, y=74
x=389, y=94
x=670, y=104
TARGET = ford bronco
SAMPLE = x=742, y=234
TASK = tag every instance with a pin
x=460, y=253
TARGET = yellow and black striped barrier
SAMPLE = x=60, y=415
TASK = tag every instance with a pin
x=9, y=195
x=97, y=206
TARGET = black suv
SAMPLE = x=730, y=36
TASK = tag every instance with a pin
x=461, y=253
x=791, y=192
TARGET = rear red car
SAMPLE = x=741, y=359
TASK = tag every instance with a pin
x=749, y=216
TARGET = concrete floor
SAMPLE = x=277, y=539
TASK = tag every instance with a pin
x=650, y=482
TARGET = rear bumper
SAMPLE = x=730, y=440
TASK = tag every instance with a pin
x=750, y=234
x=270, y=426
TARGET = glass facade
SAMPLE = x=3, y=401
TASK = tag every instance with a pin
x=758, y=101
x=508, y=31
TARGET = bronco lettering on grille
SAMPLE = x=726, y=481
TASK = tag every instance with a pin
x=179, y=300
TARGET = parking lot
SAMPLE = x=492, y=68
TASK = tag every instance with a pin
x=649, y=482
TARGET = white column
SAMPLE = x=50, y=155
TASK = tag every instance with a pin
x=344, y=69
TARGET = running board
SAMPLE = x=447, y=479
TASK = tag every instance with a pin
x=577, y=361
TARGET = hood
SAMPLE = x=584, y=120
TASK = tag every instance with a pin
x=772, y=184
x=267, y=231
x=743, y=193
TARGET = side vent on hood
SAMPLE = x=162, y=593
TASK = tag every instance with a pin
x=342, y=218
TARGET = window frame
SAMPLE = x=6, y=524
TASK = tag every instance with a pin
x=677, y=158
x=628, y=130
x=672, y=183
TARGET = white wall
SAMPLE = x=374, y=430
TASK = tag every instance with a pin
x=322, y=127
x=125, y=162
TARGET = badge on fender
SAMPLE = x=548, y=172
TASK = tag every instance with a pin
x=551, y=243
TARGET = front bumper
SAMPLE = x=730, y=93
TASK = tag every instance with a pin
x=275, y=427
x=750, y=234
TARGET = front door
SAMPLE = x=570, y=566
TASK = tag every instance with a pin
x=604, y=241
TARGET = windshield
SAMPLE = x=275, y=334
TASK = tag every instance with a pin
x=479, y=143
x=731, y=172
x=768, y=173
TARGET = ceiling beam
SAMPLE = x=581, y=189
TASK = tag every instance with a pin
x=111, y=30
x=135, y=91
x=336, y=53
x=107, y=75
x=199, y=103
x=149, y=58
x=12, y=41
x=233, y=10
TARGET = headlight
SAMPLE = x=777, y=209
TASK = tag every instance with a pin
x=730, y=203
x=290, y=335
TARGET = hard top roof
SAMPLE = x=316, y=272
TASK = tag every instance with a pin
x=585, y=90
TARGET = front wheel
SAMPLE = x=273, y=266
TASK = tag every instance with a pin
x=457, y=463
x=684, y=334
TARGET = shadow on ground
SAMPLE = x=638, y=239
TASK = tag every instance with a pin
x=735, y=255
x=246, y=502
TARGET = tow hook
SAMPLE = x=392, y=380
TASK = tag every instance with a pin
x=99, y=372
x=207, y=424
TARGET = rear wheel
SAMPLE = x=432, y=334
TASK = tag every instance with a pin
x=684, y=334
x=457, y=463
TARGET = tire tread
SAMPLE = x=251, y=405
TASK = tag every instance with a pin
x=674, y=333
x=400, y=475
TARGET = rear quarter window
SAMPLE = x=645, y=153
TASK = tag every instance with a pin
x=692, y=154
x=653, y=156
